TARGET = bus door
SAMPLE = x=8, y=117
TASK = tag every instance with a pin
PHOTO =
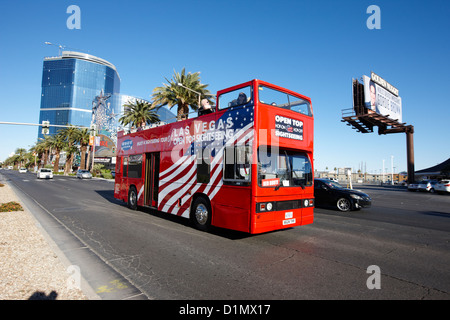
x=122, y=174
x=151, y=179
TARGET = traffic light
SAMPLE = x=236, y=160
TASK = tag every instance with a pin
x=45, y=127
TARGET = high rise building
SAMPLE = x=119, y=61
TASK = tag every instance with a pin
x=71, y=83
x=81, y=89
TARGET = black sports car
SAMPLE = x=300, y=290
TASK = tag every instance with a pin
x=330, y=193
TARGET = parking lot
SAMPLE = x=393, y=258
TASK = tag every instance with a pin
x=441, y=186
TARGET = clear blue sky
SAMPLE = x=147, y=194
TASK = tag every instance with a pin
x=312, y=47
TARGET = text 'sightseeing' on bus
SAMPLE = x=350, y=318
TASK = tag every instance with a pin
x=247, y=166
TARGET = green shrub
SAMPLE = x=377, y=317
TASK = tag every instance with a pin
x=106, y=174
x=96, y=170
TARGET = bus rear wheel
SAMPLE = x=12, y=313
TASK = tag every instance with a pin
x=132, y=198
x=201, y=214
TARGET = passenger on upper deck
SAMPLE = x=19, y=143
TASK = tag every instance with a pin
x=205, y=108
x=242, y=98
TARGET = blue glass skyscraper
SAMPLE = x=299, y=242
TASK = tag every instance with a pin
x=70, y=84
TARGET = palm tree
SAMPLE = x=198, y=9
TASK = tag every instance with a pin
x=83, y=139
x=43, y=146
x=14, y=159
x=21, y=155
x=69, y=133
x=29, y=158
x=138, y=113
x=33, y=155
x=57, y=143
x=172, y=94
x=39, y=149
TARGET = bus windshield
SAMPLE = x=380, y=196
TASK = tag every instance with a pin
x=283, y=168
x=283, y=100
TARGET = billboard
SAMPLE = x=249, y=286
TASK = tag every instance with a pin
x=381, y=97
x=104, y=146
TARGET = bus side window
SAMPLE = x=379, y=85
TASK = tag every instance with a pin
x=119, y=165
x=135, y=166
x=125, y=167
x=237, y=164
x=203, y=165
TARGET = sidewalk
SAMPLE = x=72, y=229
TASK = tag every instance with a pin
x=30, y=268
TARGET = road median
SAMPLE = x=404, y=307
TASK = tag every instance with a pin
x=29, y=267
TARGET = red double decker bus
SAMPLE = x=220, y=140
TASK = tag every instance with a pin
x=247, y=166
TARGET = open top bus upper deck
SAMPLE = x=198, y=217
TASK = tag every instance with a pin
x=278, y=110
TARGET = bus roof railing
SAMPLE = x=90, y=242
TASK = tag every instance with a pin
x=159, y=123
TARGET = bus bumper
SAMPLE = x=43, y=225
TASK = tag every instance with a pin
x=282, y=215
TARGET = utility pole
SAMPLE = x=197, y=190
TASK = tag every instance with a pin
x=392, y=170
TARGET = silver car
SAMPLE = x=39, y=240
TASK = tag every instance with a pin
x=84, y=174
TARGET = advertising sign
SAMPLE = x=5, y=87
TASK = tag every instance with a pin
x=127, y=144
x=382, y=97
x=105, y=147
x=288, y=128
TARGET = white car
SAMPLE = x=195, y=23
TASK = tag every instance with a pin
x=22, y=170
x=45, y=173
x=442, y=186
x=84, y=174
x=427, y=185
x=414, y=186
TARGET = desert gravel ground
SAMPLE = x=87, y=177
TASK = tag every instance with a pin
x=30, y=267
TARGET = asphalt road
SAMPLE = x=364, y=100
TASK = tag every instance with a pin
x=145, y=254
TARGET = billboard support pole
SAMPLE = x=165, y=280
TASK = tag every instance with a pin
x=410, y=153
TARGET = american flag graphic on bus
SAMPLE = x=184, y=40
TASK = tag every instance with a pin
x=178, y=183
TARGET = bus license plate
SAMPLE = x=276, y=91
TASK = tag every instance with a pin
x=288, y=221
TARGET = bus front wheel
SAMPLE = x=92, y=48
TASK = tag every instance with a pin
x=201, y=214
x=132, y=198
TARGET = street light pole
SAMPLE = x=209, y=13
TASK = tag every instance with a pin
x=61, y=47
x=57, y=45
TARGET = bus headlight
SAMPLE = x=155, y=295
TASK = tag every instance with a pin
x=265, y=206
